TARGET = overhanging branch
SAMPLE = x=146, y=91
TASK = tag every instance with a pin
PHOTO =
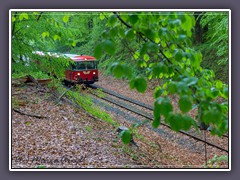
x=142, y=37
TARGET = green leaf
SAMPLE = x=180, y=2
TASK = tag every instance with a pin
x=156, y=71
x=128, y=72
x=149, y=34
x=132, y=84
x=196, y=59
x=133, y=18
x=129, y=33
x=105, y=34
x=118, y=71
x=112, y=20
x=187, y=122
x=156, y=122
x=219, y=84
x=215, y=92
x=182, y=87
x=65, y=18
x=225, y=92
x=157, y=108
x=56, y=37
x=146, y=57
x=73, y=43
x=224, y=107
x=136, y=55
x=121, y=32
x=126, y=137
x=158, y=92
x=165, y=106
x=175, y=121
x=162, y=32
x=157, y=40
x=56, y=24
x=172, y=88
x=113, y=32
x=140, y=84
x=13, y=19
x=223, y=127
x=178, y=122
x=185, y=104
x=102, y=17
x=181, y=16
x=23, y=16
x=178, y=56
x=109, y=47
x=190, y=80
x=160, y=68
x=28, y=123
x=98, y=51
x=188, y=24
x=164, y=44
x=141, y=63
x=44, y=34
x=144, y=48
x=211, y=116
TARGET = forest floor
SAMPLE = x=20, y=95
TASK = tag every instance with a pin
x=63, y=136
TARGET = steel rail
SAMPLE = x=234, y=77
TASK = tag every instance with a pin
x=128, y=99
x=124, y=106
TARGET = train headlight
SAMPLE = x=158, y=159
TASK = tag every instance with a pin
x=78, y=74
x=94, y=73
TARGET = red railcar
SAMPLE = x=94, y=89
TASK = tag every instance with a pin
x=83, y=70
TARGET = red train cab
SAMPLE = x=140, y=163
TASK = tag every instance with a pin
x=84, y=70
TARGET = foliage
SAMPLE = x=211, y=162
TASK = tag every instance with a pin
x=166, y=38
x=86, y=103
x=215, y=42
x=34, y=31
x=216, y=161
x=217, y=34
x=127, y=134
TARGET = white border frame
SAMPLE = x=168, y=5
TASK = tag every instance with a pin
x=111, y=10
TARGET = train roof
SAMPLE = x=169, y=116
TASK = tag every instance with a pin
x=83, y=58
x=74, y=57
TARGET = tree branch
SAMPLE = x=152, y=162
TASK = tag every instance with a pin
x=64, y=93
x=122, y=20
x=142, y=36
x=39, y=16
x=32, y=115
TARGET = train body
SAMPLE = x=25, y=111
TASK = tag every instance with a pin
x=83, y=71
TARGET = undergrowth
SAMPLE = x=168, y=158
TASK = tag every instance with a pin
x=86, y=103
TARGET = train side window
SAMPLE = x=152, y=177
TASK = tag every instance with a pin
x=96, y=64
x=73, y=66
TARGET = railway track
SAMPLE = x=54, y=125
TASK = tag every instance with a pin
x=147, y=113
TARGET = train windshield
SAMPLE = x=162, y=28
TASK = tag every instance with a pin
x=84, y=65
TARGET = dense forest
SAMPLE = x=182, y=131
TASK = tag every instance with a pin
x=186, y=52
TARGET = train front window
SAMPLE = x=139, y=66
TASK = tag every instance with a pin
x=84, y=65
